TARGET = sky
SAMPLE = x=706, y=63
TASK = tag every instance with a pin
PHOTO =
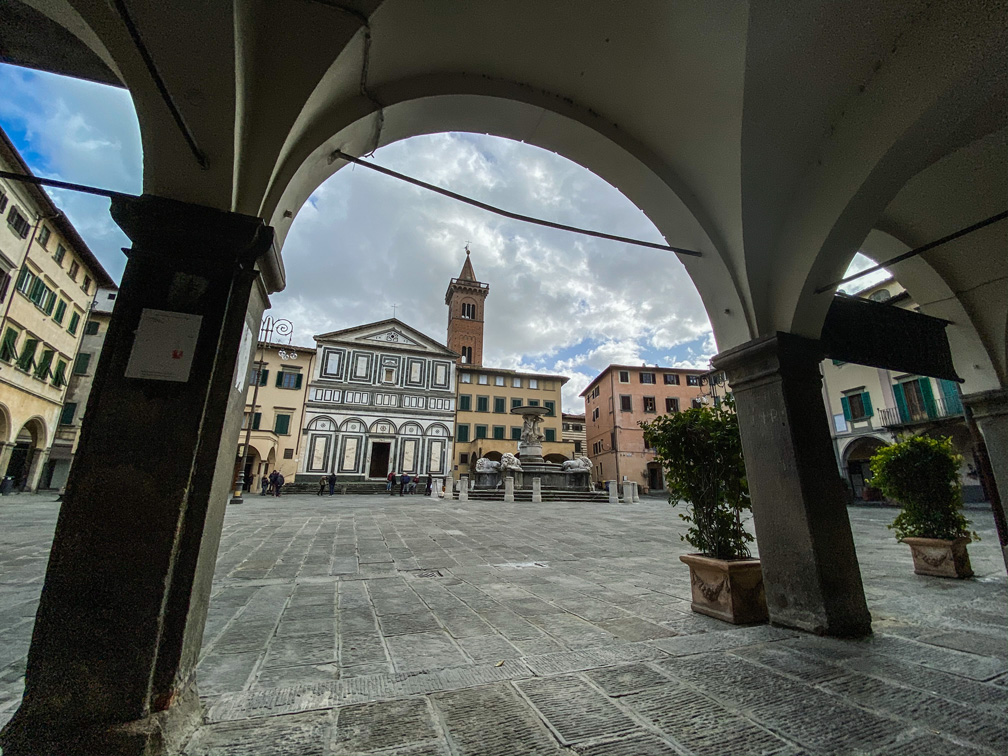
x=365, y=245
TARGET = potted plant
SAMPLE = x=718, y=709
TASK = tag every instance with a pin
x=701, y=452
x=922, y=474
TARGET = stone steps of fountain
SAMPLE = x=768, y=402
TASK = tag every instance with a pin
x=548, y=494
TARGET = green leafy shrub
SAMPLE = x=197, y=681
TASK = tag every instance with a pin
x=922, y=474
x=701, y=452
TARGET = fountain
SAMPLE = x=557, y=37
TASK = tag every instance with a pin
x=572, y=475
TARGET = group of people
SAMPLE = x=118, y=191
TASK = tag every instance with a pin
x=407, y=483
x=327, y=481
x=272, y=483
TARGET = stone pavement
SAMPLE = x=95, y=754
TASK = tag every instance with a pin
x=369, y=624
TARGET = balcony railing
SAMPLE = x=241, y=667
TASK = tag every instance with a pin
x=938, y=409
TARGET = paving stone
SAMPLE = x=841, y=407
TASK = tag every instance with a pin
x=379, y=726
x=635, y=629
x=644, y=744
x=805, y=668
x=574, y=710
x=423, y=651
x=296, y=735
x=361, y=649
x=493, y=721
x=309, y=649
x=283, y=677
x=971, y=665
x=716, y=641
x=404, y=624
x=932, y=745
x=973, y=643
x=590, y=658
x=619, y=681
x=224, y=673
x=488, y=648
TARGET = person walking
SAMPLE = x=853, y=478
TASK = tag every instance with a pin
x=391, y=482
x=322, y=485
x=430, y=484
x=265, y=485
x=272, y=483
x=403, y=482
x=332, y=483
x=279, y=483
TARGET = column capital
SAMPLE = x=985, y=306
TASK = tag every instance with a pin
x=184, y=231
x=779, y=354
x=987, y=404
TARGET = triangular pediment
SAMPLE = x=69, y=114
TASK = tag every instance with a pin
x=391, y=333
x=390, y=336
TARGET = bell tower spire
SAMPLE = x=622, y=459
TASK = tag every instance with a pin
x=465, y=299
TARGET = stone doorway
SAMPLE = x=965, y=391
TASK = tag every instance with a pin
x=380, y=451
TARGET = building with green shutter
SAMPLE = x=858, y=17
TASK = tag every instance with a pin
x=871, y=407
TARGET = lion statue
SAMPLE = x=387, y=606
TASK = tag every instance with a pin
x=578, y=464
x=510, y=462
x=484, y=465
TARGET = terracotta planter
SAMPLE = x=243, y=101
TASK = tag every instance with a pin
x=729, y=590
x=940, y=557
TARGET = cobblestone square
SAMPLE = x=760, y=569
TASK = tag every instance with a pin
x=388, y=625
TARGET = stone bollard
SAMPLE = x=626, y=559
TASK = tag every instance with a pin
x=464, y=488
x=448, y=483
x=537, y=490
x=613, y=492
x=509, y=488
x=636, y=492
x=435, y=492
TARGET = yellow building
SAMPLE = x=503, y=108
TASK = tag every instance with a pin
x=48, y=280
x=276, y=416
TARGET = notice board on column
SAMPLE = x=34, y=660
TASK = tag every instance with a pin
x=164, y=345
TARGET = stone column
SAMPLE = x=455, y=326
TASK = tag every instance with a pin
x=613, y=492
x=810, y=568
x=537, y=490
x=36, y=466
x=5, y=454
x=448, y=485
x=111, y=668
x=464, y=488
x=509, y=488
x=990, y=413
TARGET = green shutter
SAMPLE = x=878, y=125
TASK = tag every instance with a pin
x=463, y=434
x=950, y=393
x=22, y=277
x=515, y=433
x=8, y=351
x=262, y=377
x=551, y=406
x=298, y=384
x=500, y=405
x=282, y=425
x=465, y=402
x=42, y=371
x=845, y=403
x=279, y=379
x=866, y=400
x=498, y=432
x=27, y=358
x=516, y=403
x=60, y=311
x=74, y=322
x=929, y=401
x=67, y=416
x=81, y=365
x=550, y=434
x=901, y=404
x=255, y=420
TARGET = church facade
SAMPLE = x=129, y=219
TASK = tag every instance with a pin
x=381, y=398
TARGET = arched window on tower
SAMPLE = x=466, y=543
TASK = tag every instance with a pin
x=469, y=310
x=467, y=355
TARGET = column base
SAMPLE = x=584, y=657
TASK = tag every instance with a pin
x=160, y=734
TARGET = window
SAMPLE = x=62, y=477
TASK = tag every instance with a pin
x=42, y=371
x=500, y=405
x=466, y=378
x=25, y=280
x=282, y=425
x=692, y=380
x=533, y=402
x=499, y=380
x=464, y=458
x=515, y=433
x=462, y=434
x=3, y=202
x=256, y=419
x=465, y=402
x=483, y=380
x=258, y=377
x=86, y=286
x=671, y=404
x=516, y=403
x=550, y=407
x=482, y=403
x=59, y=377
x=624, y=376
x=468, y=310
x=43, y=235
x=516, y=382
x=498, y=432
x=647, y=377
x=856, y=406
x=671, y=379
x=27, y=358
x=595, y=414
x=74, y=267
x=481, y=431
x=696, y=403
x=288, y=454
x=91, y=328
x=67, y=416
x=74, y=322
x=8, y=349
x=18, y=223
x=5, y=280
x=61, y=308
x=60, y=254
x=649, y=404
x=81, y=364
x=577, y=447
x=550, y=434
x=288, y=380
x=533, y=383
x=624, y=403
x=594, y=394
x=389, y=375
x=467, y=356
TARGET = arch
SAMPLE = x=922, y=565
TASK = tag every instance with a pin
x=36, y=428
x=383, y=426
x=5, y=423
x=556, y=458
x=862, y=448
x=493, y=456
x=410, y=429
x=352, y=425
x=323, y=423
x=437, y=430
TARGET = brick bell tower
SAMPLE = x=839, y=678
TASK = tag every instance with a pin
x=465, y=298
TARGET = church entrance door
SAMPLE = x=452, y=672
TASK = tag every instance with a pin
x=379, y=460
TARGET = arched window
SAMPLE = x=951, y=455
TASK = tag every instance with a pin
x=469, y=310
x=467, y=355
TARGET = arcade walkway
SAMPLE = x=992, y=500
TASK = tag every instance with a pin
x=399, y=625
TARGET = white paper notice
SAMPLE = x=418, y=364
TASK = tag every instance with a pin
x=241, y=367
x=164, y=346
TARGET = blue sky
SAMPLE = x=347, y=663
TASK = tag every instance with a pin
x=558, y=302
